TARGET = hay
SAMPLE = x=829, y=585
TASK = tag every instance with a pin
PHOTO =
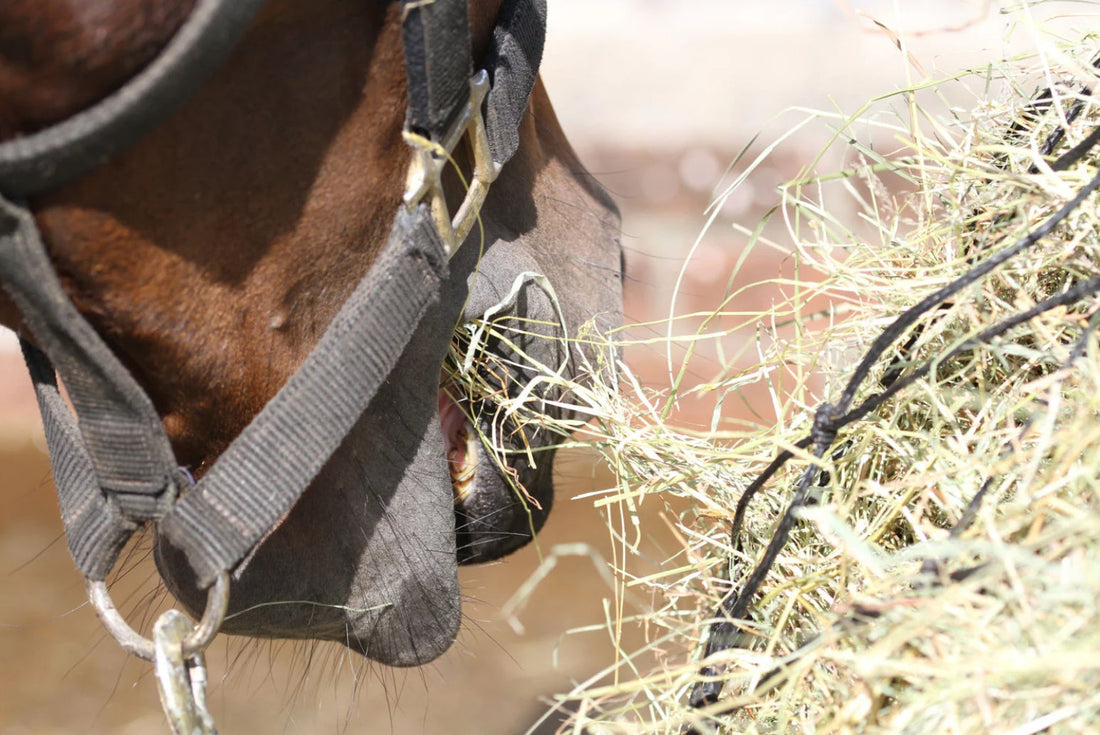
x=945, y=574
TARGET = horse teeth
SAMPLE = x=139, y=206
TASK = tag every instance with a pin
x=462, y=462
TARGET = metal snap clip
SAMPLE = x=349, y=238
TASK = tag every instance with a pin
x=181, y=679
x=176, y=651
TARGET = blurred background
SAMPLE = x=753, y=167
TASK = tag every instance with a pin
x=659, y=97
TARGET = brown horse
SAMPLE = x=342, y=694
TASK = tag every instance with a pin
x=211, y=255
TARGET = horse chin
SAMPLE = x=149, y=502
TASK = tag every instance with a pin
x=379, y=575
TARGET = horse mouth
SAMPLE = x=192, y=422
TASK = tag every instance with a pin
x=499, y=464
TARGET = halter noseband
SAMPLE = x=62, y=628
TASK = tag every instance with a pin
x=114, y=468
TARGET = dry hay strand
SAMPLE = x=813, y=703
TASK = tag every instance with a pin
x=940, y=570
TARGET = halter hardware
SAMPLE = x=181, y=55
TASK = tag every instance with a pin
x=181, y=679
x=217, y=603
x=429, y=159
x=176, y=651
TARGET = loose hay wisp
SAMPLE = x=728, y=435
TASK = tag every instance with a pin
x=927, y=556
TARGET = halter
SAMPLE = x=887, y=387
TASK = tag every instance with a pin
x=112, y=462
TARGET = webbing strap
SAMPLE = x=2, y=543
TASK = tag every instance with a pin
x=438, y=66
x=122, y=431
x=438, y=62
x=94, y=527
x=75, y=146
x=262, y=473
x=513, y=64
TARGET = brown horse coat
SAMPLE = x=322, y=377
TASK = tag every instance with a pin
x=212, y=254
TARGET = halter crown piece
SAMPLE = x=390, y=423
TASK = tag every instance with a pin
x=112, y=462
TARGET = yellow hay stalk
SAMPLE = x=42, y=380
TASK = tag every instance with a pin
x=948, y=577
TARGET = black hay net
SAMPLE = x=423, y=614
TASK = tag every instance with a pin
x=898, y=370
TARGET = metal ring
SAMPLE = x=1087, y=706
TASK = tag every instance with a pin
x=217, y=604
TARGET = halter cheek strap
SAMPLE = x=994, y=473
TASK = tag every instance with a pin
x=112, y=462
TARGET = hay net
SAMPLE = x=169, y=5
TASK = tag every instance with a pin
x=914, y=544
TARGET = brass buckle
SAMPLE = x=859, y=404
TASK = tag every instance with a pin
x=430, y=158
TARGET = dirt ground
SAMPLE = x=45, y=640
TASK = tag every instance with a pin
x=61, y=675
x=659, y=96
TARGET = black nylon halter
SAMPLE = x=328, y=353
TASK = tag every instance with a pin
x=112, y=463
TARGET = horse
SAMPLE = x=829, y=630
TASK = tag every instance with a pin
x=212, y=253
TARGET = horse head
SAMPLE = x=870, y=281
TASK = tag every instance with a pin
x=212, y=254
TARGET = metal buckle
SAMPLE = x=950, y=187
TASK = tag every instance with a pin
x=176, y=651
x=430, y=158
